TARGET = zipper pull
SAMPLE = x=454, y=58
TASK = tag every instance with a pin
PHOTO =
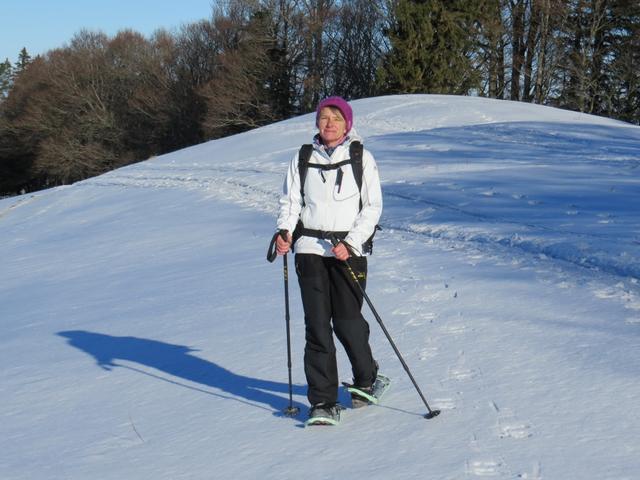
x=324, y=180
x=339, y=179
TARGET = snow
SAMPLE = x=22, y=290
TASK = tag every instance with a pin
x=143, y=336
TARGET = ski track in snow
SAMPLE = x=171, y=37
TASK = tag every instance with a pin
x=244, y=183
x=234, y=183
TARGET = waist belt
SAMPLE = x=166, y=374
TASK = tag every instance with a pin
x=302, y=231
x=323, y=234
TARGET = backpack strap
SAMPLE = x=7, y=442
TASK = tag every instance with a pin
x=355, y=153
x=329, y=166
x=303, y=164
x=355, y=159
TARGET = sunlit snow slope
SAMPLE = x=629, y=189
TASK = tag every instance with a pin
x=142, y=331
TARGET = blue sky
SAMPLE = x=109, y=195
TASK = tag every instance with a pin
x=41, y=25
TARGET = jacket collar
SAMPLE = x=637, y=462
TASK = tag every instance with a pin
x=328, y=151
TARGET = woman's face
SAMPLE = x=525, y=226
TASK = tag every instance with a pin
x=332, y=126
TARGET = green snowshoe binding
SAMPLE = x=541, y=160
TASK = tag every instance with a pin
x=363, y=396
x=324, y=414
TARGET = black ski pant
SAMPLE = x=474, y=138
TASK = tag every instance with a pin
x=332, y=303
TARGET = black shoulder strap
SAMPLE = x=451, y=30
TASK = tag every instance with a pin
x=303, y=164
x=355, y=153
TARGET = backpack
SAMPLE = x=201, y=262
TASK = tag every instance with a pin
x=355, y=160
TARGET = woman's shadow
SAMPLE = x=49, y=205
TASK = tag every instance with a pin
x=179, y=362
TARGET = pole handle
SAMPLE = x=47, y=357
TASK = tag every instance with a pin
x=334, y=240
x=272, y=253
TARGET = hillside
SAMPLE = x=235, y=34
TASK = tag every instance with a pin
x=142, y=331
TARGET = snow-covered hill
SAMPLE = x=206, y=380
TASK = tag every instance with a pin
x=142, y=331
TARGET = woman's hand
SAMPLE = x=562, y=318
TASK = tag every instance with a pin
x=283, y=246
x=341, y=251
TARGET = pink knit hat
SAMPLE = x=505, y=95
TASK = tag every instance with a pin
x=342, y=105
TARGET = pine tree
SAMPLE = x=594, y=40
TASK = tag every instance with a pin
x=6, y=74
x=432, y=47
x=24, y=59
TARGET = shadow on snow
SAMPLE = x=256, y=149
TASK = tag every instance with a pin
x=179, y=362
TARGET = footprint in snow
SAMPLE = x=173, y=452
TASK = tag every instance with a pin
x=534, y=475
x=514, y=430
x=509, y=426
x=485, y=468
x=414, y=322
x=427, y=353
x=455, y=329
x=462, y=373
x=419, y=319
x=444, y=403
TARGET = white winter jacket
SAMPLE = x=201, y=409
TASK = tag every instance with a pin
x=329, y=207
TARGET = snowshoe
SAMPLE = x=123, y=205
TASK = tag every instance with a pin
x=363, y=396
x=324, y=414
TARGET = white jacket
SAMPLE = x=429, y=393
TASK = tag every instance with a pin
x=328, y=209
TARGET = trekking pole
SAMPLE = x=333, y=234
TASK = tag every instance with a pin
x=431, y=413
x=290, y=411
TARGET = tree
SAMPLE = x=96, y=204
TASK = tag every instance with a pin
x=491, y=49
x=85, y=109
x=23, y=61
x=239, y=96
x=287, y=54
x=624, y=84
x=356, y=47
x=67, y=114
x=193, y=63
x=6, y=74
x=432, y=48
x=18, y=146
x=597, y=66
x=319, y=15
x=137, y=92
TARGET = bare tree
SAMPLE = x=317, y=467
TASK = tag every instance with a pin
x=319, y=16
x=356, y=47
x=238, y=95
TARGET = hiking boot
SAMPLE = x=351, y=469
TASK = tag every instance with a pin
x=324, y=413
x=361, y=396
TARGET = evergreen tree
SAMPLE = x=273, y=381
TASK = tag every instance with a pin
x=6, y=74
x=433, y=44
x=24, y=59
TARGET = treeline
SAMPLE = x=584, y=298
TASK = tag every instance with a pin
x=103, y=102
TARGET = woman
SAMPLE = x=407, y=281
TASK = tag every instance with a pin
x=330, y=203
